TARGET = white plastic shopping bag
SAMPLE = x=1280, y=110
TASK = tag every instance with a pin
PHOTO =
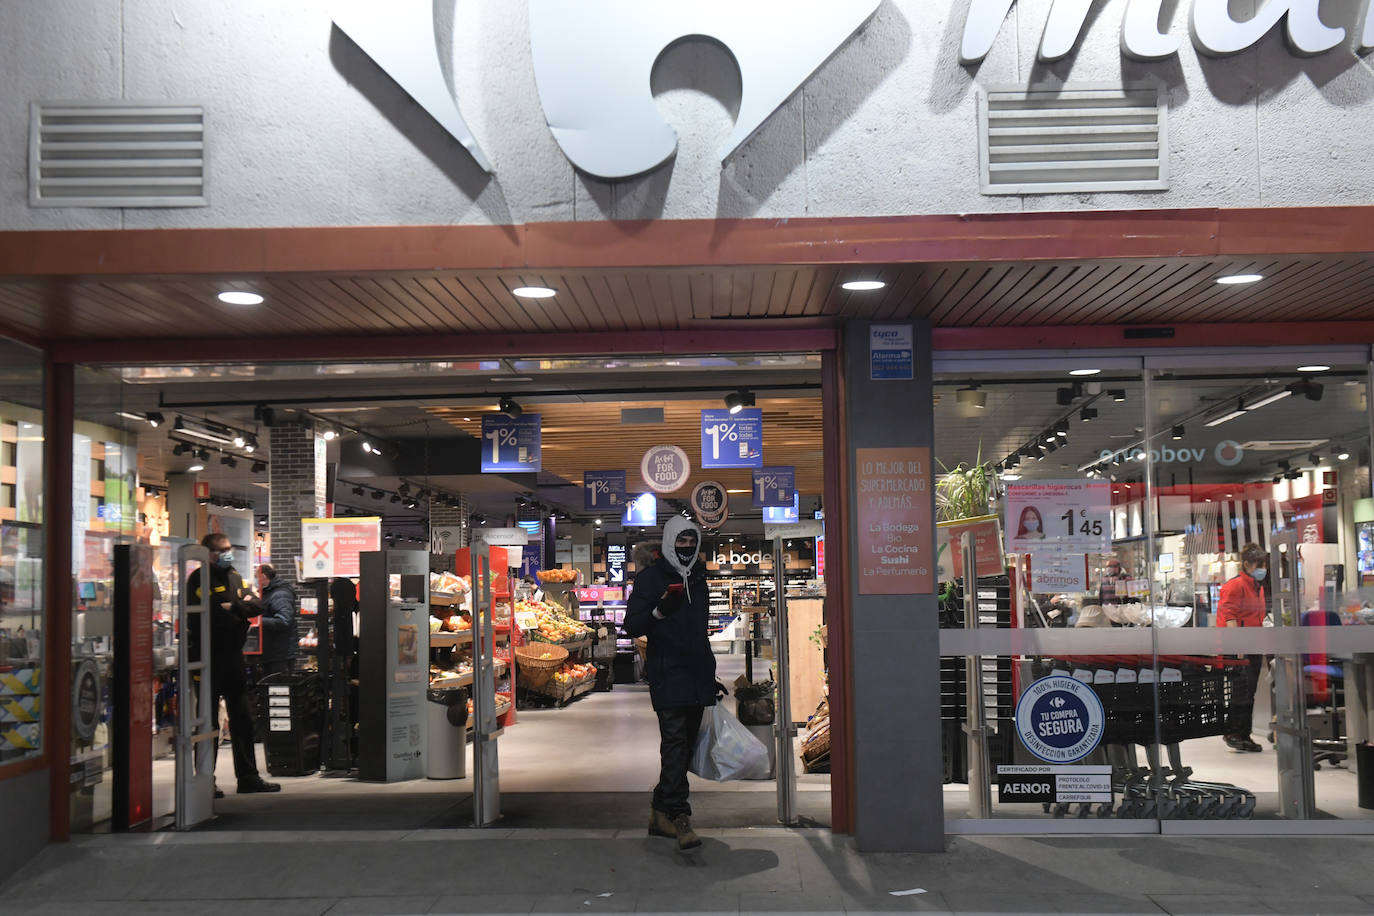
x=726, y=749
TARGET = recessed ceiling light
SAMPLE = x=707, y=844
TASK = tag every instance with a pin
x=1314, y=368
x=240, y=297
x=863, y=286
x=534, y=292
x=1237, y=279
x=1084, y=371
x=196, y=467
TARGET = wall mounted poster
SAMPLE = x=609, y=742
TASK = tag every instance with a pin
x=895, y=521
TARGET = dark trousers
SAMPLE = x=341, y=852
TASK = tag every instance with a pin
x=677, y=734
x=1246, y=700
x=227, y=682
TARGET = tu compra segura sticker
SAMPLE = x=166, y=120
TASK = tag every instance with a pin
x=1059, y=719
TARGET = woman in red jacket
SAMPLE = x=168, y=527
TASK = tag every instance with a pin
x=1244, y=603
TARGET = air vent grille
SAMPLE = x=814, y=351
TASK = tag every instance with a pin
x=1074, y=138
x=116, y=154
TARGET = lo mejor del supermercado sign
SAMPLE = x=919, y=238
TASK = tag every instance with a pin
x=593, y=59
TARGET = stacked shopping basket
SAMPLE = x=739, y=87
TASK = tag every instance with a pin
x=291, y=709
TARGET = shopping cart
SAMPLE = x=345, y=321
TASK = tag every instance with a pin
x=1162, y=701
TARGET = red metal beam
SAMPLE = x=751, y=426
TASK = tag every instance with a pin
x=292, y=349
x=706, y=243
x=58, y=426
x=837, y=573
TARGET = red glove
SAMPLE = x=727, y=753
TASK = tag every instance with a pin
x=672, y=600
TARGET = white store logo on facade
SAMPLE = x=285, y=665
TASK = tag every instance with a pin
x=1213, y=29
x=593, y=59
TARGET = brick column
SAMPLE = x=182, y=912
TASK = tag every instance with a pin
x=452, y=518
x=297, y=477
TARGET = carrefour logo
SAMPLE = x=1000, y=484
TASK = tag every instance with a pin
x=1227, y=453
x=593, y=60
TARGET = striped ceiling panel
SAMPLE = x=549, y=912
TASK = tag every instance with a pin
x=977, y=294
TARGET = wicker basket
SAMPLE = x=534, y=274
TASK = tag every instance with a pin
x=532, y=668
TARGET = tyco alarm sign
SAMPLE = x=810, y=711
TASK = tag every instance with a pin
x=1059, y=719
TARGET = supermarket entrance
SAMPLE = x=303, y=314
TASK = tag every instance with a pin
x=403, y=457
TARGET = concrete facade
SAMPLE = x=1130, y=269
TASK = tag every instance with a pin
x=304, y=129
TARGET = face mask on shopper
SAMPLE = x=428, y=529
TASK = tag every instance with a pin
x=1260, y=574
x=225, y=560
x=1032, y=525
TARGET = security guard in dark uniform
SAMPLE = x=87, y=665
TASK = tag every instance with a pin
x=229, y=617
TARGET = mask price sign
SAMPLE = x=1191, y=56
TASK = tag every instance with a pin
x=774, y=487
x=603, y=490
x=732, y=440
x=1059, y=516
x=510, y=444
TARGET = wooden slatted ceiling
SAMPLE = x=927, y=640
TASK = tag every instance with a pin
x=580, y=437
x=993, y=294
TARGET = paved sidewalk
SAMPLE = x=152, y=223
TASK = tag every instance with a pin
x=766, y=870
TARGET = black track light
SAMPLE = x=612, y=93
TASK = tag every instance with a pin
x=258, y=467
x=181, y=448
x=228, y=461
x=357, y=491
x=508, y=407
x=403, y=489
x=1177, y=432
x=378, y=494
x=395, y=498
x=1061, y=429
x=155, y=419
x=1088, y=414
x=203, y=454
x=1117, y=394
x=736, y=401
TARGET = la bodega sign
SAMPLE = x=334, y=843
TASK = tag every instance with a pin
x=593, y=59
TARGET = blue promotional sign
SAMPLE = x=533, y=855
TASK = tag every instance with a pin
x=786, y=515
x=890, y=352
x=510, y=444
x=531, y=559
x=774, y=487
x=732, y=440
x=642, y=512
x=1059, y=719
x=603, y=490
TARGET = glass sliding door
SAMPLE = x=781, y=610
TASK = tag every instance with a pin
x=1260, y=494
x=1048, y=672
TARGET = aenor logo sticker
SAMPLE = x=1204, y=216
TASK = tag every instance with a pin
x=1059, y=719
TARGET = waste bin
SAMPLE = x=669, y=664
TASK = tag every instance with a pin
x=1364, y=774
x=446, y=751
x=756, y=710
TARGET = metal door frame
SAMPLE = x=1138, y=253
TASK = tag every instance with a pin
x=197, y=740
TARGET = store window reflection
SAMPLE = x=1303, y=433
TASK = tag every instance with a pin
x=1262, y=500
x=105, y=491
x=1058, y=599
x=21, y=553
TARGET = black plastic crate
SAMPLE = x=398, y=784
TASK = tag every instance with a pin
x=299, y=756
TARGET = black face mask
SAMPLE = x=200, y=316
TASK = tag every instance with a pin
x=685, y=555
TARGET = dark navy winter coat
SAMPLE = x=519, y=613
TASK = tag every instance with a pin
x=681, y=667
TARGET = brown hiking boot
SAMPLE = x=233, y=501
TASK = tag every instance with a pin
x=686, y=836
x=660, y=824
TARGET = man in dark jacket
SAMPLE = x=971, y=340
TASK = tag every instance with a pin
x=670, y=606
x=229, y=616
x=279, y=604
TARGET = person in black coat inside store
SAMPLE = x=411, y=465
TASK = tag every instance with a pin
x=669, y=605
x=279, y=607
x=230, y=612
